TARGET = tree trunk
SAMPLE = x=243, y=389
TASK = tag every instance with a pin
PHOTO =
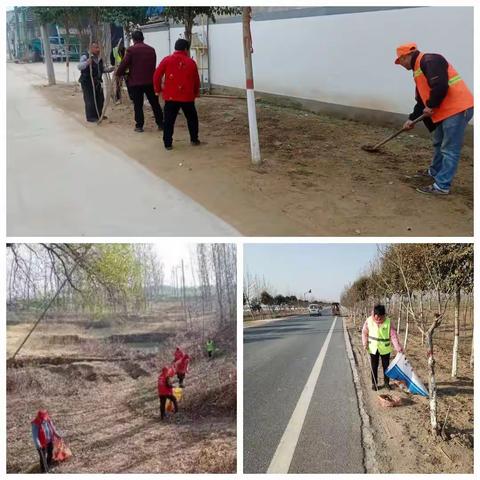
x=456, y=335
x=47, y=54
x=407, y=324
x=188, y=25
x=67, y=50
x=399, y=323
x=471, y=354
x=432, y=385
x=184, y=298
x=422, y=318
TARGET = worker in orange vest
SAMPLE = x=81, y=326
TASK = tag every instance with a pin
x=443, y=96
x=165, y=390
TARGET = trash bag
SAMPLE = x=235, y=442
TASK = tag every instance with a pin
x=389, y=401
x=401, y=369
x=178, y=393
x=61, y=451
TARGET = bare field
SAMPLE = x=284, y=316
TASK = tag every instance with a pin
x=99, y=384
x=402, y=434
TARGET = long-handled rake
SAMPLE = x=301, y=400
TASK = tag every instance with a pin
x=374, y=148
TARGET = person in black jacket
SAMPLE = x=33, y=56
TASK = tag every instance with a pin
x=91, y=71
x=140, y=60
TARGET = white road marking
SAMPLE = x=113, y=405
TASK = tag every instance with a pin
x=286, y=448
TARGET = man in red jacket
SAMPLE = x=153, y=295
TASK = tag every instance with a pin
x=178, y=354
x=140, y=60
x=165, y=390
x=181, y=85
x=182, y=369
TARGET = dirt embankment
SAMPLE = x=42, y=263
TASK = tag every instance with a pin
x=316, y=180
x=402, y=434
x=107, y=408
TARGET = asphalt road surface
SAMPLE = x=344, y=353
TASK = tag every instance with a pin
x=62, y=180
x=300, y=406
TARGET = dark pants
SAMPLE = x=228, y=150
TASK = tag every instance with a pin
x=181, y=378
x=88, y=98
x=210, y=353
x=46, y=455
x=163, y=402
x=171, y=112
x=137, y=93
x=374, y=360
x=118, y=88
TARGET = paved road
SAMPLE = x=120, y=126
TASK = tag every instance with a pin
x=64, y=181
x=281, y=388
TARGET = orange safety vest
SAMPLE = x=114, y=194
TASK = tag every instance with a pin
x=458, y=98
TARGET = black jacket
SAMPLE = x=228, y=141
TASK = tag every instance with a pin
x=96, y=67
x=435, y=69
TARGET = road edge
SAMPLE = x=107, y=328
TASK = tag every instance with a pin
x=368, y=443
x=258, y=323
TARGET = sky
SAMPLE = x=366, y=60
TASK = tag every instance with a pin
x=171, y=253
x=296, y=268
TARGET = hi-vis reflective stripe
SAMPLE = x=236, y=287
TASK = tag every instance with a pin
x=451, y=81
x=386, y=340
x=455, y=79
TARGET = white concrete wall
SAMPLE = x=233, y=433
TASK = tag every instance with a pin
x=159, y=41
x=341, y=59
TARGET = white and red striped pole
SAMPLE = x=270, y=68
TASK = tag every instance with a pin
x=252, y=115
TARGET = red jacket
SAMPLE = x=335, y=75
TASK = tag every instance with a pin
x=43, y=429
x=163, y=385
x=182, y=365
x=178, y=355
x=179, y=73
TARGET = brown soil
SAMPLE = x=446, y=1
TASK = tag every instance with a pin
x=402, y=435
x=107, y=408
x=316, y=179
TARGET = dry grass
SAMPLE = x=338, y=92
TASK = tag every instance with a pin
x=102, y=396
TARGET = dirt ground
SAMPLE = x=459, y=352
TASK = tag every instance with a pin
x=102, y=396
x=402, y=434
x=316, y=180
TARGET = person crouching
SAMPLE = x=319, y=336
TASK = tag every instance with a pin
x=165, y=391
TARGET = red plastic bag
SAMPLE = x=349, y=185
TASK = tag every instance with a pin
x=61, y=451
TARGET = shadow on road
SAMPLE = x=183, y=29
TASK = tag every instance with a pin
x=275, y=332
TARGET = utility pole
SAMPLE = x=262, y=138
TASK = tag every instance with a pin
x=252, y=114
x=47, y=54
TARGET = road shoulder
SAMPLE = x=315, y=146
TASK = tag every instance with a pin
x=368, y=443
x=402, y=439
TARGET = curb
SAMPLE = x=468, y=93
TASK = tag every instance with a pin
x=368, y=443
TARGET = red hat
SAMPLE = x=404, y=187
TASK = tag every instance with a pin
x=405, y=49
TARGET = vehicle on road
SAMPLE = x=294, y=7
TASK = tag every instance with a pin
x=335, y=308
x=314, y=310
